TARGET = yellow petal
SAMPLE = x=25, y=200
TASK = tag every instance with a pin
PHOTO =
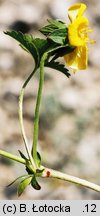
x=77, y=60
x=76, y=10
x=74, y=31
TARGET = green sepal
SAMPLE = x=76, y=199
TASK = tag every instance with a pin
x=35, y=184
x=23, y=184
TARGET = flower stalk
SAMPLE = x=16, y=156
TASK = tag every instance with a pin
x=37, y=108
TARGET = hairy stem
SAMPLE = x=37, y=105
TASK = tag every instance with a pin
x=59, y=175
x=37, y=108
x=21, y=118
x=12, y=157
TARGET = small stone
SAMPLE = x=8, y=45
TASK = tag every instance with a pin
x=30, y=13
x=70, y=99
x=6, y=61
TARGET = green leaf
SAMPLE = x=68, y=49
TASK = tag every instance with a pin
x=26, y=41
x=47, y=29
x=61, y=51
x=35, y=46
x=42, y=46
x=20, y=177
x=59, y=36
x=53, y=25
x=57, y=23
x=29, y=168
x=54, y=45
x=39, y=172
x=35, y=184
x=38, y=159
x=23, y=184
x=24, y=48
x=57, y=66
x=22, y=155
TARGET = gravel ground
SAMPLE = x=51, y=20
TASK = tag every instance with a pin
x=70, y=107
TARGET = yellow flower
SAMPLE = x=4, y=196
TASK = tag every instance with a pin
x=78, y=37
x=76, y=10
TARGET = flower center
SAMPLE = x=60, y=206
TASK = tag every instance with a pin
x=83, y=34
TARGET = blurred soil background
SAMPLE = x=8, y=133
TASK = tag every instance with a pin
x=69, y=136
